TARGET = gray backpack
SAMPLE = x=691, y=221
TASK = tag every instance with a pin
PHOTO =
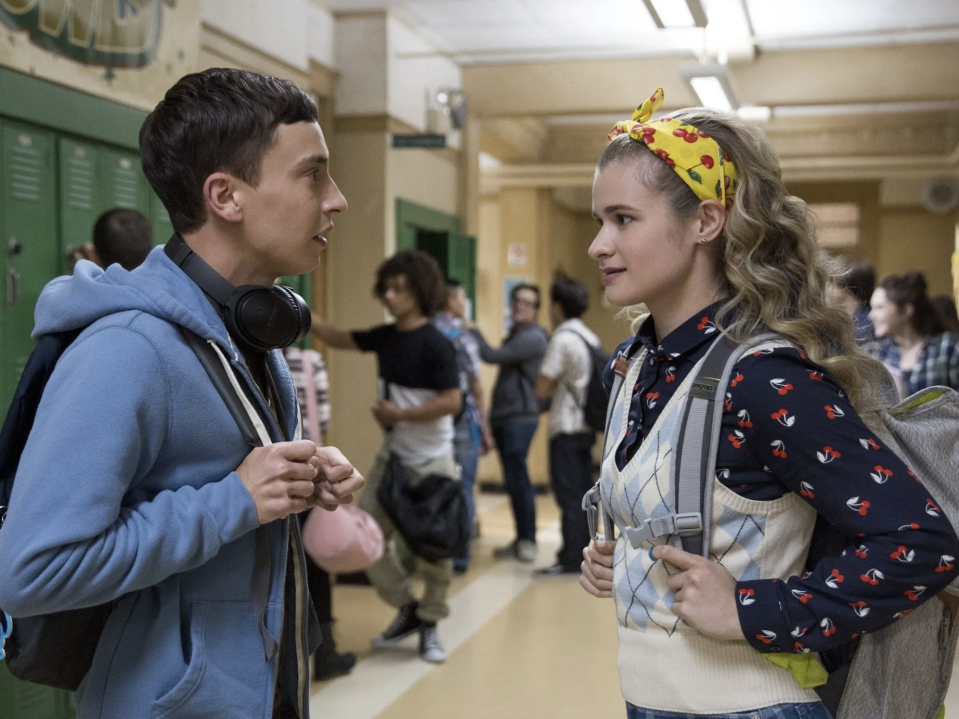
x=899, y=672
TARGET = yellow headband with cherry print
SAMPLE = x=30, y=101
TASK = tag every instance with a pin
x=692, y=154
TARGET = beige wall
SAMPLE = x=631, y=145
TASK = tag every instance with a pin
x=894, y=239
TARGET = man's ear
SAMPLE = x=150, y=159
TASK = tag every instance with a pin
x=710, y=220
x=221, y=197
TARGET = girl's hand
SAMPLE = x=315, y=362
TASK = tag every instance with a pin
x=597, y=576
x=705, y=593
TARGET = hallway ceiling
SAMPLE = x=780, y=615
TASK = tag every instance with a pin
x=506, y=31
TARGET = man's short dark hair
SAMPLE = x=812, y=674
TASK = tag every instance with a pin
x=423, y=276
x=571, y=296
x=859, y=280
x=122, y=236
x=525, y=286
x=218, y=120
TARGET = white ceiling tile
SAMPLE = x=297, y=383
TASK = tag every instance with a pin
x=470, y=13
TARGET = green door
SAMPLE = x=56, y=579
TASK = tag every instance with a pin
x=80, y=190
x=462, y=264
x=28, y=240
x=162, y=227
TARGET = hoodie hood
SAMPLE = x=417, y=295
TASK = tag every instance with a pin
x=158, y=287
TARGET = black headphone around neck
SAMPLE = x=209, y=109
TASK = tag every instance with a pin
x=258, y=318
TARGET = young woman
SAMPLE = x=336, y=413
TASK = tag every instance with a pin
x=915, y=348
x=697, y=226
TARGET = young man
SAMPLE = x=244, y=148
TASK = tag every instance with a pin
x=419, y=394
x=136, y=486
x=122, y=236
x=471, y=436
x=564, y=377
x=514, y=413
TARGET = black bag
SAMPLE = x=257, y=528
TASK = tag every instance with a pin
x=53, y=649
x=57, y=649
x=597, y=399
x=431, y=516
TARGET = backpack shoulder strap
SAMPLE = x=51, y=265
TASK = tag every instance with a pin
x=699, y=440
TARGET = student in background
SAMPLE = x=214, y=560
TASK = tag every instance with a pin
x=471, y=436
x=851, y=290
x=915, y=349
x=313, y=395
x=419, y=395
x=514, y=413
x=563, y=377
x=120, y=236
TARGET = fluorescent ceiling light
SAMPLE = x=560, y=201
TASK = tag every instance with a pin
x=712, y=84
x=755, y=113
x=711, y=93
x=677, y=13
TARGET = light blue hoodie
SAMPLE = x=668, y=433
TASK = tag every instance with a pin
x=126, y=491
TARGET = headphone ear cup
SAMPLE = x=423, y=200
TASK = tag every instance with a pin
x=300, y=307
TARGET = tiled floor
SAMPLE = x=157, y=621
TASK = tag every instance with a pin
x=520, y=648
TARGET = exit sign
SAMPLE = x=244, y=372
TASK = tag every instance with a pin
x=428, y=141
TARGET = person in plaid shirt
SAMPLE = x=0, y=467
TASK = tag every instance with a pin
x=914, y=347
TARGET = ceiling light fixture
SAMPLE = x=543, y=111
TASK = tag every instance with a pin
x=712, y=84
x=677, y=13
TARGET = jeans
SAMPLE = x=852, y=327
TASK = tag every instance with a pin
x=813, y=710
x=513, y=439
x=571, y=476
x=466, y=450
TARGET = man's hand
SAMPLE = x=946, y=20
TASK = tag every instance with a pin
x=705, y=593
x=387, y=413
x=280, y=478
x=337, y=480
x=487, y=444
x=597, y=576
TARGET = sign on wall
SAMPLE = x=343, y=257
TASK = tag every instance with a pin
x=115, y=33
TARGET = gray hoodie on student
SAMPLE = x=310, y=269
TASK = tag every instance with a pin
x=514, y=396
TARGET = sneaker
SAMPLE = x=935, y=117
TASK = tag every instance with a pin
x=507, y=552
x=405, y=624
x=526, y=550
x=557, y=570
x=431, y=649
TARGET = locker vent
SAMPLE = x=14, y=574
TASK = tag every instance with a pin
x=81, y=180
x=126, y=184
x=26, y=167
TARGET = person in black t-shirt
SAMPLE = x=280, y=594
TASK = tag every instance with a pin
x=418, y=396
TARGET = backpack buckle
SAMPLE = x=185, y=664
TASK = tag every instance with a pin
x=682, y=525
x=688, y=523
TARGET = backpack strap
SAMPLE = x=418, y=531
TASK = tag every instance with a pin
x=699, y=440
x=254, y=431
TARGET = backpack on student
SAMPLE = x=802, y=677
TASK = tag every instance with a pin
x=57, y=649
x=899, y=672
x=595, y=400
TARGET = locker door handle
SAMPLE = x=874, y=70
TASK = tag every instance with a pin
x=13, y=287
x=14, y=247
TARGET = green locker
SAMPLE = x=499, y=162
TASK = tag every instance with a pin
x=462, y=264
x=22, y=700
x=81, y=175
x=28, y=231
x=123, y=183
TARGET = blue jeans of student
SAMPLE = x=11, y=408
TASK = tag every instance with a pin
x=513, y=439
x=466, y=449
x=780, y=711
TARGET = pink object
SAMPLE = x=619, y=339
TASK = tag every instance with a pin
x=345, y=540
x=309, y=390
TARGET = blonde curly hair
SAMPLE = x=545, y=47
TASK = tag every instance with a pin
x=774, y=272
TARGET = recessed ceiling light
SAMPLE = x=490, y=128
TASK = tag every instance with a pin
x=677, y=13
x=712, y=84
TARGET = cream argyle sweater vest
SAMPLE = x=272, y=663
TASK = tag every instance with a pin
x=664, y=663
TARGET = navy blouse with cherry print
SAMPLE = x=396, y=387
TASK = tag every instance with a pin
x=788, y=427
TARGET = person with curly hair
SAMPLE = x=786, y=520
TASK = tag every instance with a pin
x=697, y=229
x=419, y=395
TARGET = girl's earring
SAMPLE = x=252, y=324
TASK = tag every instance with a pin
x=703, y=241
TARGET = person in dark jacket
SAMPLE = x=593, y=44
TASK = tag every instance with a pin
x=514, y=413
